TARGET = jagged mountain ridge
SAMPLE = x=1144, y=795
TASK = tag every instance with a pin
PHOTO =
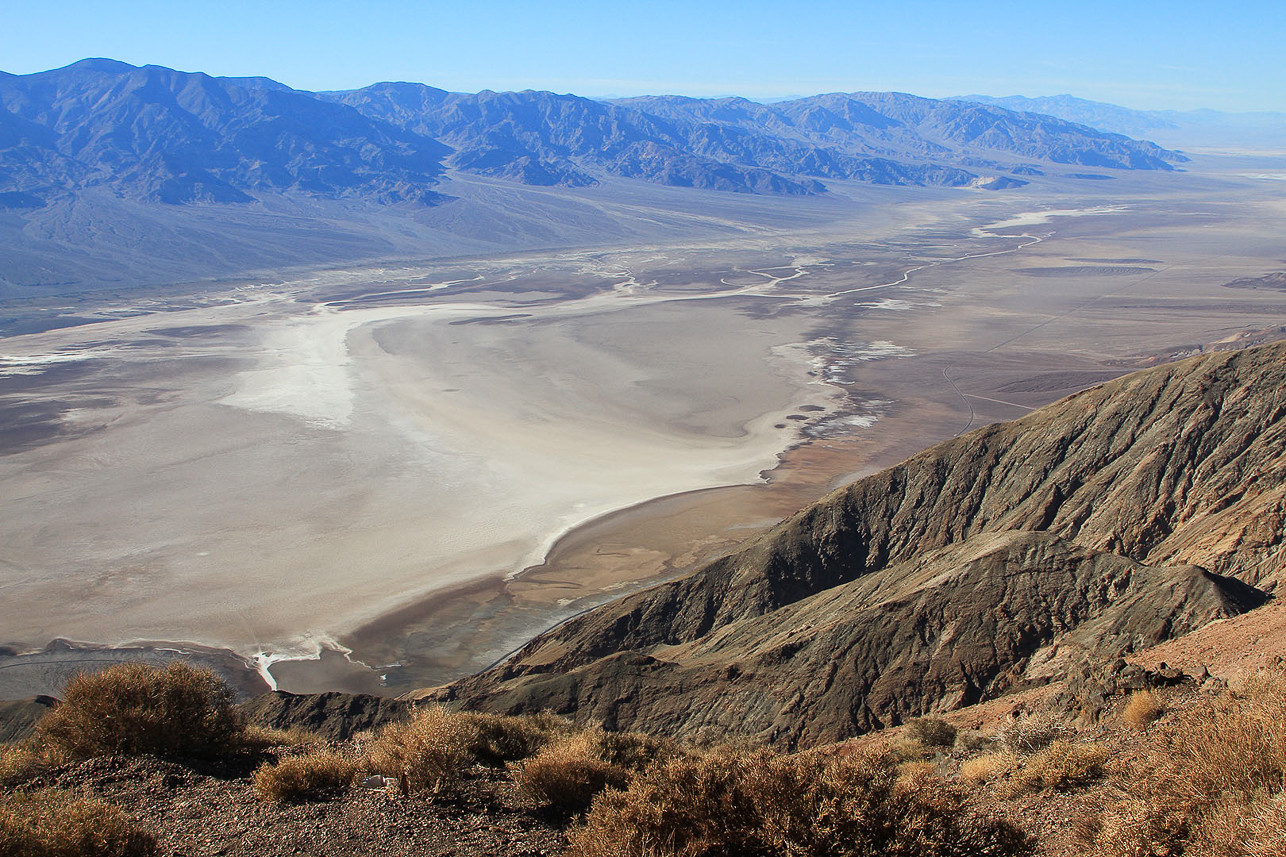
x=1111, y=520
x=157, y=134
x=167, y=136
x=892, y=124
x=542, y=137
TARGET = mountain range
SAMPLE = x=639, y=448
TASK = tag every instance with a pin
x=1009, y=557
x=1172, y=127
x=161, y=135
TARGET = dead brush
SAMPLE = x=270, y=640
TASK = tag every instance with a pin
x=987, y=767
x=57, y=823
x=931, y=732
x=763, y=803
x=431, y=748
x=258, y=739
x=1216, y=787
x=1032, y=733
x=133, y=708
x=569, y=773
x=1062, y=766
x=312, y=775
x=633, y=751
x=1142, y=709
x=498, y=738
x=21, y=760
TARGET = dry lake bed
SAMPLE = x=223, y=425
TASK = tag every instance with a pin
x=381, y=478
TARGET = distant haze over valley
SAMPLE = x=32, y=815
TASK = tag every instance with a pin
x=89, y=151
x=1181, y=128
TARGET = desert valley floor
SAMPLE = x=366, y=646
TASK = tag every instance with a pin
x=409, y=469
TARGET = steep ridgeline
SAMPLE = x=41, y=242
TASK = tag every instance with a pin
x=736, y=144
x=160, y=135
x=897, y=125
x=1114, y=519
x=544, y=138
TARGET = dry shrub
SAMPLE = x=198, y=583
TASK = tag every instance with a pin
x=1032, y=733
x=260, y=738
x=180, y=711
x=1063, y=765
x=931, y=732
x=500, y=738
x=1261, y=833
x=308, y=776
x=916, y=768
x=633, y=751
x=973, y=740
x=761, y=803
x=431, y=748
x=55, y=823
x=987, y=767
x=1141, y=710
x=21, y=760
x=1217, y=788
x=568, y=774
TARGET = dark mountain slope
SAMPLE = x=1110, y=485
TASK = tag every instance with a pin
x=945, y=630
x=1095, y=114
x=735, y=144
x=988, y=129
x=1104, y=502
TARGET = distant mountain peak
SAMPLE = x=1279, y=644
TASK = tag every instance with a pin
x=100, y=65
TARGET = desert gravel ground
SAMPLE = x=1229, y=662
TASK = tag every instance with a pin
x=195, y=813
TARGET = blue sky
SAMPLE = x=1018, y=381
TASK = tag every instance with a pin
x=1143, y=54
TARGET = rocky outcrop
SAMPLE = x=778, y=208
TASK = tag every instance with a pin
x=333, y=716
x=1116, y=518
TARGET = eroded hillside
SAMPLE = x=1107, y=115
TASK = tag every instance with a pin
x=1114, y=519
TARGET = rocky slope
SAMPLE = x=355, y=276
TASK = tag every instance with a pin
x=332, y=715
x=1111, y=520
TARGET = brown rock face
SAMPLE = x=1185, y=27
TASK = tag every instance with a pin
x=334, y=716
x=1116, y=518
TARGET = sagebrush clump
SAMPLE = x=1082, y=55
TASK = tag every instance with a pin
x=931, y=732
x=431, y=749
x=1141, y=710
x=1062, y=765
x=180, y=711
x=762, y=803
x=1218, y=790
x=567, y=775
x=311, y=775
x=498, y=738
x=57, y=823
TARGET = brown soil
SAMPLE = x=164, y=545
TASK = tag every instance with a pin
x=194, y=814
